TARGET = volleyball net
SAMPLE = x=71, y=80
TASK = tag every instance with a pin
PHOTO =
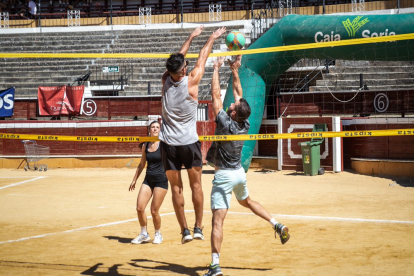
x=301, y=83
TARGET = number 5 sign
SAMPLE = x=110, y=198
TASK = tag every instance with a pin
x=89, y=108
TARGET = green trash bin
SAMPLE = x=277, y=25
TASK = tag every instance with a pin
x=311, y=153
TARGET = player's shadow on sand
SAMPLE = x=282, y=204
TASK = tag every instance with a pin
x=208, y=171
x=180, y=269
x=119, y=239
x=112, y=271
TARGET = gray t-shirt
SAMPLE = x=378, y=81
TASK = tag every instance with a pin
x=179, y=111
x=227, y=154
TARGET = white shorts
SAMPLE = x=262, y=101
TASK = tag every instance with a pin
x=225, y=182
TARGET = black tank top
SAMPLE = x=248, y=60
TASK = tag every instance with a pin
x=154, y=163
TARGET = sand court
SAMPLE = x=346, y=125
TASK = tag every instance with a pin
x=81, y=222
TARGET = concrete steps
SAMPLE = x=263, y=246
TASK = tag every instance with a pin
x=403, y=68
x=147, y=47
x=27, y=74
x=356, y=88
x=368, y=82
x=376, y=75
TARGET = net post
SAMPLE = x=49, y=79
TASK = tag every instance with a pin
x=40, y=10
x=323, y=7
x=336, y=145
x=279, y=144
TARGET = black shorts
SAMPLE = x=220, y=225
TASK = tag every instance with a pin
x=156, y=181
x=174, y=157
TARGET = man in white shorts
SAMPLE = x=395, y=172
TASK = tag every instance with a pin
x=229, y=175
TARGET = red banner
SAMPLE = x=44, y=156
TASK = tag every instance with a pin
x=60, y=100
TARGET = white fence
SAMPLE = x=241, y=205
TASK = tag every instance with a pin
x=74, y=18
x=4, y=20
x=145, y=16
x=358, y=7
x=214, y=12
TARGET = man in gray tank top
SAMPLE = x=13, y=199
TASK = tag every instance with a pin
x=180, y=145
x=229, y=175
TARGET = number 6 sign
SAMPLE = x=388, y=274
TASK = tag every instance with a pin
x=381, y=102
x=89, y=108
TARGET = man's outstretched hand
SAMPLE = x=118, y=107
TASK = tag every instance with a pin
x=218, y=63
x=197, y=31
x=235, y=65
x=219, y=32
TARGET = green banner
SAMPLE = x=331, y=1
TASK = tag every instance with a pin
x=259, y=71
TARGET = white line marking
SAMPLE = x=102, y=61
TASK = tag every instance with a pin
x=191, y=211
x=80, y=229
x=14, y=176
x=19, y=183
x=334, y=218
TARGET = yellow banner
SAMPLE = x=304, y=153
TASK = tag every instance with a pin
x=347, y=42
x=270, y=136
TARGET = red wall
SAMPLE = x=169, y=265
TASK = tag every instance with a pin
x=392, y=147
x=267, y=147
x=364, y=147
x=106, y=108
x=15, y=147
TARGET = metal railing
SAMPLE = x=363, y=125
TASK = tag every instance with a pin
x=104, y=80
x=264, y=19
x=192, y=12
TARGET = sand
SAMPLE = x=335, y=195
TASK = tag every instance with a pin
x=81, y=221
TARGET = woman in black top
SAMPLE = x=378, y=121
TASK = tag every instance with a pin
x=155, y=184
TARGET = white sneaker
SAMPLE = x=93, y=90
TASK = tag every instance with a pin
x=157, y=238
x=141, y=238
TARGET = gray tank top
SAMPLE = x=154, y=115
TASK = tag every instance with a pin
x=227, y=154
x=179, y=113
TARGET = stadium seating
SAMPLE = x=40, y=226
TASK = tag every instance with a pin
x=139, y=76
x=376, y=75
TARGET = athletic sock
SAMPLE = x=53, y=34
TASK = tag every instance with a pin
x=144, y=230
x=215, y=257
x=273, y=222
x=157, y=231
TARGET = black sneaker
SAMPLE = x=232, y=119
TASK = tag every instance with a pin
x=283, y=232
x=186, y=236
x=214, y=270
x=198, y=234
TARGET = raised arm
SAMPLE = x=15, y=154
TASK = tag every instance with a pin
x=237, y=89
x=187, y=43
x=215, y=87
x=198, y=71
x=163, y=80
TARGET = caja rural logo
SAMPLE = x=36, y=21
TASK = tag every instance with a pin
x=351, y=27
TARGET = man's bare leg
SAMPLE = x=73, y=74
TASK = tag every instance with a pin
x=174, y=177
x=260, y=211
x=256, y=208
x=217, y=231
x=216, y=240
x=194, y=175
